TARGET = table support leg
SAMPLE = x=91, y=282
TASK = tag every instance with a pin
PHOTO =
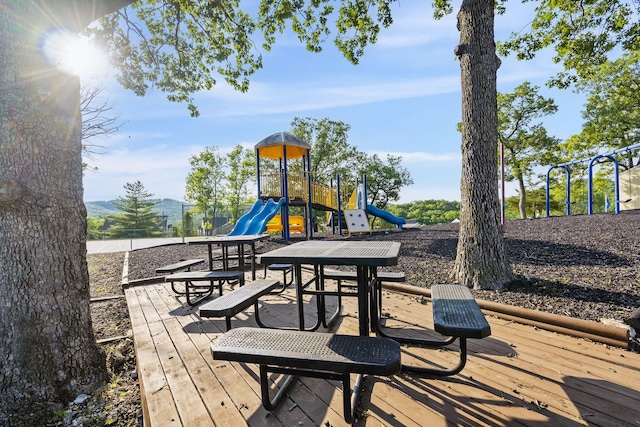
x=253, y=261
x=210, y=252
x=363, y=306
x=299, y=286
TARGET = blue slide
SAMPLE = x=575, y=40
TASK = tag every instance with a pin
x=387, y=216
x=255, y=221
x=243, y=222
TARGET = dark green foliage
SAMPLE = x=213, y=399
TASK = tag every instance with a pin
x=138, y=217
x=427, y=212
x=93, y=228
x=189, y=227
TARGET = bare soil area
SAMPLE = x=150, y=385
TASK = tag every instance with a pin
x=580, y=266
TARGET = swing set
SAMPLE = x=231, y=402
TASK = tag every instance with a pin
x=630, y=195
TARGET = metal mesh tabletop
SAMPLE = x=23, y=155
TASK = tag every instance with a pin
x=336, y=253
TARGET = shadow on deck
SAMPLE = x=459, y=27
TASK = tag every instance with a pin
x=519, y=375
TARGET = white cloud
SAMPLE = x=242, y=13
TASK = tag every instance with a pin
x=420, y=157
x=416, y=29
x=162, y=169
x=308, y=96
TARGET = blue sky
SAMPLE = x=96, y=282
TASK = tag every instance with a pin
x=403, y=98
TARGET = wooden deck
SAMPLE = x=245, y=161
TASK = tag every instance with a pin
x=519, y=375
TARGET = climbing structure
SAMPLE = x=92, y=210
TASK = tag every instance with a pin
x=284, y=171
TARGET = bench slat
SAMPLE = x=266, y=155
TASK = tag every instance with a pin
x=386, y=276
x=237, y=300
x=280, y=267
x=199, y=291
x=172, y=268
x=311, y=354
x=456, y=313
x=309, y=350
x=285, y=268
x=204, y=275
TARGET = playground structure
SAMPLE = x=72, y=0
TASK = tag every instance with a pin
x=283, y=169
x=628, y=195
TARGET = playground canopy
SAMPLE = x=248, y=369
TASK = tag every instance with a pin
x=273, y=147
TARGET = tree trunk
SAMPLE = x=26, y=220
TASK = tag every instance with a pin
x=481, y=261
x=49, y=353
x=523, y=198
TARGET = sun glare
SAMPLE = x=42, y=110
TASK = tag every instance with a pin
x=74, y=54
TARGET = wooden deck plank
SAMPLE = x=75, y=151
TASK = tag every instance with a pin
x=157, y=401
x=556, y=387
x=212, y=394
x=440, y=404
x=573, y=381
x=249, y=373
x=241, y=394
x=192, y=410
x=185, y=394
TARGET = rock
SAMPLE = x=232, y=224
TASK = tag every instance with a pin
x=634, y=319
x=80, y=399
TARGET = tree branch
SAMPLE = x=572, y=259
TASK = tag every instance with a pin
x=78, y=14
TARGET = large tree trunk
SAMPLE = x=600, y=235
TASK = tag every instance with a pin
x=47, y=347
x=481, y=261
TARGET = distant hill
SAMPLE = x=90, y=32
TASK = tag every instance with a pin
x=170, y=207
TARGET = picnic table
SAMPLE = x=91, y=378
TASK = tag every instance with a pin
x=229, y=241
x=365, y=256
x=331, y=356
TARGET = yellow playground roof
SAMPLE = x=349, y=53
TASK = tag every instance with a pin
x=272, y=147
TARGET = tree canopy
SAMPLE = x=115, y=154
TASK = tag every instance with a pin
x=427, y=212
x=332, y=155
x=242, y=167
x=583, y=35
x=205, y=182
x=611, y=114
x=525, y=139
x=182, y=47
x=385, y=178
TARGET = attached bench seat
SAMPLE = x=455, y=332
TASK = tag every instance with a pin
x=309, y=354
x=238, y=300
x=384, y=276
x=185, y=264
x=456, y=315
x=285, y=268
x=216, y=278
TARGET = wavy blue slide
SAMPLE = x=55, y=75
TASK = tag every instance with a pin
x=258, y=223
x=387, y=216
x=255, y=221
x=243, y=222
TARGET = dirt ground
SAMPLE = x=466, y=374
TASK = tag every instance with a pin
x=580, y=266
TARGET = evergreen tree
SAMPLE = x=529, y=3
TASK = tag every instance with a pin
x=138, y=218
